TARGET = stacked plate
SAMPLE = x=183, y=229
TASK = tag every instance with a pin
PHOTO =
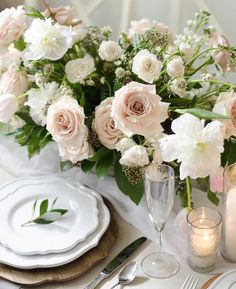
x=57, y=243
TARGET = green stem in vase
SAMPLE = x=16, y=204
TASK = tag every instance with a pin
x=188, y=187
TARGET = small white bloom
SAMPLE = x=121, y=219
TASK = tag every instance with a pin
x=124, y=144
x=178, y=87
x=39, y=99
x=206, y=76
x=196, y=147
x=109, y=51
x=186, y=51
x=79, y=69
x=90, y=82
x=175, y=68
x=8, y=107
x=147, y=66
x=47, y=41
x=120, y=73
x=135, y=156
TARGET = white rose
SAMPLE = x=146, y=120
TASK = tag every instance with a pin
x=186, y=50
x=146, y=66
x=47, y=40
x=124, y=144
x=79, y=69
x=80, y=33
x=135, y=156
x=175, y=68
x=12, y=25
x=109, y=51
x=104, y=125
x=14, y=81
x=8, y=107
x=178, y=87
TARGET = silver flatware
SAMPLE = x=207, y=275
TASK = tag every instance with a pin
x=116, y=262
x=127, y=274
x=190, y=282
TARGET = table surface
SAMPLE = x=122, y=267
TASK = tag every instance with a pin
x=127, y=234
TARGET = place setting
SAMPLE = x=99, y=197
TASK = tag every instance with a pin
x=117, y=148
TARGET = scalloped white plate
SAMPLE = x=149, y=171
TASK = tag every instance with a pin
x=60, y=236
x=225, y=281
x=8, y=257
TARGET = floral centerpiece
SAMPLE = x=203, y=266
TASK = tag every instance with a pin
x=150, y=97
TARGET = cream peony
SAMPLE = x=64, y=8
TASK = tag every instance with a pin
x=196, y=147
x=175, y=68
x=12, y=25
x=14, y=81
x=8, y=107
x=40, y=99
x=79, y=69
x=104, y=125
x=226, y=105
x=65, y=122
x=147, y=66
x=135, y=156
x=137, y=109
x=47, y=40
x=109, y=50
x=64, y=15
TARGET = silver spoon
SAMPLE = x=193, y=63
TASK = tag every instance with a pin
x=127, y=274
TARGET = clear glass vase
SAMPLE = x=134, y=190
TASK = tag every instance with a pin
x=228, y=242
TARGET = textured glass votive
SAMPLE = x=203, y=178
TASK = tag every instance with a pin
x=204, y=226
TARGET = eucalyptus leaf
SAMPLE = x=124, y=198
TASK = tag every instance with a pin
x=43, y=207
x=202, y=113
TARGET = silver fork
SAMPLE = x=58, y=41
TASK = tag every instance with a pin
x=190, y=282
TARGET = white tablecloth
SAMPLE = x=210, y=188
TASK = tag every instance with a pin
x=15, y=160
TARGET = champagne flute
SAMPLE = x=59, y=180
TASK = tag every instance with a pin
x=160, y=194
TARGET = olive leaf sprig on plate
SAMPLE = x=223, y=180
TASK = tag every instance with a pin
x=47, y=213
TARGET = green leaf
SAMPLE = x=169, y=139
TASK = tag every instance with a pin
x=99, y=154
x=213, y=197
x=34, y=205
x=43, y=207
x=202, y=113
x=228, y=157
x=104, y=165
x=135, y=192
x=66, y=165
x=54, y=202
x=61, y=211
x=87, y=166
x=42, y=221
x=25, y=116
x=33, y=13
x=117, y=85
x=82, y=100
x=20, y=44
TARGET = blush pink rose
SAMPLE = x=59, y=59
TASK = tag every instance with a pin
x=104, y=125
x=12, y=25
x=137, y=109
x=217, y=180
x=226, y=105
x=14, y=81
x=65, y=122
x=221, y=57
x=64, y=15
x=8, y=107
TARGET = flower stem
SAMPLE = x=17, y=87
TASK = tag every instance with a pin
x=49, y=10
x=188, y=187
x=213, y=81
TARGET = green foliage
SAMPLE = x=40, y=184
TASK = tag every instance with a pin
x=87, y=166
x=202, y=113
x=44, y=211
x=20, y=44
x=213, y=197
x=135, y=192
x=104, y=165
x=228, y=157
x=32, y=12
x=66, y=165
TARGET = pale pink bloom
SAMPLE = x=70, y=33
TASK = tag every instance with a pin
x=226, y=105
x=10, y=58
x=14, y=81
x=137, y=109
x=104, y=125
x=12, y=25
x=217, y=180
x=8, y=107
x=64, y=15
x=221, y=57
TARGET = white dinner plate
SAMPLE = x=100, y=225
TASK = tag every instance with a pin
x=59, y=236
x=8, y=257
x=225, y=281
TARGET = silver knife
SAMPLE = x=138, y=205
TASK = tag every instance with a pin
x=116, y=262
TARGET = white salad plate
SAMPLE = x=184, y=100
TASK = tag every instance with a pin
x=11, y=258
x=59, y=236
x=225, y=281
